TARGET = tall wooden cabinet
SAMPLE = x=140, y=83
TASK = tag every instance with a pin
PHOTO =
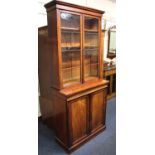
x=72, y=91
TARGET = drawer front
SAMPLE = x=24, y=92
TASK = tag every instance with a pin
x=78, y=119
x=97, y=109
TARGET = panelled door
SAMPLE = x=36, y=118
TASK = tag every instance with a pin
x=78, y=118
x=86, y=115
x=97, y=109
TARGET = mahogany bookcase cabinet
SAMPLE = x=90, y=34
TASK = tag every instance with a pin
x=72, y=89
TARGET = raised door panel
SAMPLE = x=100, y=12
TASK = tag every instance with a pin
x=98, y=106
x=78, y=119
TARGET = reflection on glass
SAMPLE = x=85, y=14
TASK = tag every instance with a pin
x=70, y=47
x=70, y=21
x=91, y=23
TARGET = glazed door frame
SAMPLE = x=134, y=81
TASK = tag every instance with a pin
x=100, y=55
x=59, y=43
x=82, y=40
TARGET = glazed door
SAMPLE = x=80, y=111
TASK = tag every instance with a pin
x=71, y=43
x=78, y=119
x=91, y=47
x=98, y=109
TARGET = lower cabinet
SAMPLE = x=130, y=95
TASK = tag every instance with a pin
x=79, y=117
x=86, y=116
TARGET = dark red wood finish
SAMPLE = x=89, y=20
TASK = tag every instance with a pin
x=75, y=112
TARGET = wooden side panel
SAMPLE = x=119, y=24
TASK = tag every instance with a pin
x=98, y=106
x=52, y=18
x=78, y=118
x=60, y=119
x=44, y=59
x=46, y=107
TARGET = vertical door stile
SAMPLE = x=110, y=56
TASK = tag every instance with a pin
x=82, y=48
x=59, y=47
x=81, y=51
x=100, y=51
x=88, y=115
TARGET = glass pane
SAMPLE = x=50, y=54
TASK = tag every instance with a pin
x=90, y=64
x=70, y=47
x=70, y=40
x=91, y=40
x=91, y=23
x=91, y=44
x=70, y=21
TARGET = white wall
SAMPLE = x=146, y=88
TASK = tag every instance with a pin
x=109, y=6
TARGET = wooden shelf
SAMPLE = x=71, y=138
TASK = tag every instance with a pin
x=91, y=47
x=93, y=31
x=73, y=67
x=71, y=32
x=71, y=50
x=91, y=64
x=70, y=28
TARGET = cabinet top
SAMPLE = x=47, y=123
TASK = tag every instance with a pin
x=54, y=2
x=86, y=86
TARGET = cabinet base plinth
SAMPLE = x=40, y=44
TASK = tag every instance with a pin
x=80, y=143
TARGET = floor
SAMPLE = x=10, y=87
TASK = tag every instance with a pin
x=103, y=144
